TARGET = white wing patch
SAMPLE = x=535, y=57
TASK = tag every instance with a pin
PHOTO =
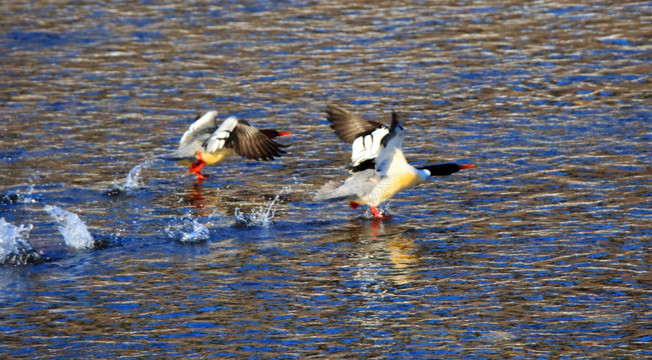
x=390, y=158
x=221, y=135
x=207, y=120
x=367, y=147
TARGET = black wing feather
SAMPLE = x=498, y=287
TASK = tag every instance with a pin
x=251, y=143
x=349, y=126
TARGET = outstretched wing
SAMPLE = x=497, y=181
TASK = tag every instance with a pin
x=221, y=136
x=251, y=143
x=195, y=137
x=205, y=124
x=349, y=126
x=365, y=136
x=390, y=157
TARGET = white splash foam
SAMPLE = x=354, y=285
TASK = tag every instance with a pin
x=134, y=175
x=385, y=209
x=14, y=247
x=74, y=230
x=132, y=181
x=263, y=215
x=15, y=197
x=191, y=231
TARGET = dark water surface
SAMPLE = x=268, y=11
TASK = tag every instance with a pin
x=542, y=250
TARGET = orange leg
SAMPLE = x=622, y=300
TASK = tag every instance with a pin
x=197, y=166
x=376, y=213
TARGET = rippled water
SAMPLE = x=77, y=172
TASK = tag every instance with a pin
x=539, y=251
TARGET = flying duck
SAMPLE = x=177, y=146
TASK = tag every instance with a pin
x=377, y=162
x=206, y=142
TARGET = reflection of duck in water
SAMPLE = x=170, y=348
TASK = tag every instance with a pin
x=377, y=161
x=206, y=142
x=384, y=251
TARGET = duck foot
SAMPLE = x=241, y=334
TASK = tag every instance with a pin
x=377, y=214
x=197, y=166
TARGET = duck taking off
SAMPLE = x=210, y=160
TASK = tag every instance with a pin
x=377, y=162
x=206, y=142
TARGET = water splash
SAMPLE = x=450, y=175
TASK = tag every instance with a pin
x=132, y=181
x=15, y=197
x=191, y=231
x=263, y=215
x=74, y=230
x=14, y=247
x=385, y=209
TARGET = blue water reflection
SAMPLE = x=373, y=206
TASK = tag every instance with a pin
x=541, y=251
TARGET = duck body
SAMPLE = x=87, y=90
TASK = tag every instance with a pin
x=206, y=142
x=378, y=164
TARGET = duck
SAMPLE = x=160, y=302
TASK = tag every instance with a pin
x=378, y=166
x=207, y=142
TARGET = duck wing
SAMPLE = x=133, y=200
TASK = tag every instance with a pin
x=194, y=138
x=251, y=143
x=390, y=159
x=206, y=124
x=220, y=136
x=349, y=126
x=365, y=136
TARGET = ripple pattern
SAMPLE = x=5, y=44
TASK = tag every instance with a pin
x=541, y=250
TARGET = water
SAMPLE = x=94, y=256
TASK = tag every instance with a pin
x=541, y=250
x=15, y=249
x=190, y=231
x=262, y=216
x=72, y=228
x=15, y=196
x=132, y=181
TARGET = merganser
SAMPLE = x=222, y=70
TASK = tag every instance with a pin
x=377, y=161
x=206, y=142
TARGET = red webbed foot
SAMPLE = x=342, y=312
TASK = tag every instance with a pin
x=377, y=214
